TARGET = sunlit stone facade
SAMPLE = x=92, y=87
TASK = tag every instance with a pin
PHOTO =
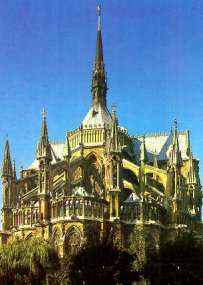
x=102, y=182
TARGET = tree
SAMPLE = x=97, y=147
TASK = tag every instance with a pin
x=177, y=262
x=27, y=261
x=100, y=264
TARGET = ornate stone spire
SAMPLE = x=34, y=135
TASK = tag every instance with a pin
x=114, y=146
x=7, y=170
x=67, y=149
x=143, y=151
x=44, y=148
x=14, y=169
x=99, y=47
x=99, y=85
x=175, y=154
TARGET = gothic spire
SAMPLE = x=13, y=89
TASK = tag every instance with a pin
x=7, y=169
x=99, y=47
x=175, y=154
x=44, y=148
x=175, y=132
x=14, y=169
x=143, y=151
x=114, y=146
x=67, y=149
x=99, y=85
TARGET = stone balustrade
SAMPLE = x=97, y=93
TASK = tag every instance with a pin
x=149, y=212
x=77, y=207
x=68, y=208
x=25, y=216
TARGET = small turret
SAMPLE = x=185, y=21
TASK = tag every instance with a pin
x=7, y=189
x=67, y=157
x=45, y=157
x=143, y=151
x=44, y=148
x=175, y=159
x=114, y=144
x=174, y=173
x=114, y=156
x=67, y=149
x=188, y=142
x=14, y=170
x=7, y=170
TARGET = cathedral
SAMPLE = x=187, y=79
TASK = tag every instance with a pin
x=102, y=182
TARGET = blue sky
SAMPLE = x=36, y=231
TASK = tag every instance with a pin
x=153, y=52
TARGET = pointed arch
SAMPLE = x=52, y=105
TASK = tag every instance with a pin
x=72, y=240
x=95, y=173
x=56, y=236
x=94, y=156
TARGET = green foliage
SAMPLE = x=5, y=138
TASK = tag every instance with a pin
x=36, y=262
x=101, y=264
x=27, y=261
x=177, y=263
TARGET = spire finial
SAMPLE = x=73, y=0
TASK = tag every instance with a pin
x=143, y=151
x=99, y=17
x=44, y=148
x=14, y=169
x=43, y=114
x=114, y=109
x=175, y=124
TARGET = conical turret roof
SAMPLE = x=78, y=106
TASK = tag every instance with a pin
x=7, y=169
